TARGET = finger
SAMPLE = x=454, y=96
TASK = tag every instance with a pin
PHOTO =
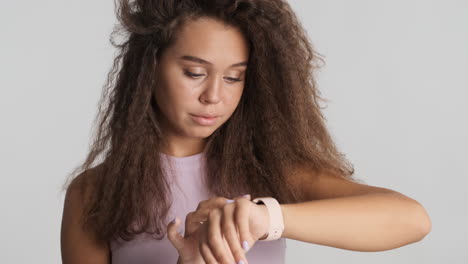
x=243, y=225
x=227, y=247
x=176, y=239
x=246, y=196
x=215, y=202
x=228, y=227
x=215, y=238
x=241, y=217
x=204, y=249
x=193, y=219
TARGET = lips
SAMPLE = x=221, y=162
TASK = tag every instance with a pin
x=207, y=115
x=205, y=121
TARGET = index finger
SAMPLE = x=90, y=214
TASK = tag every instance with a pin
x=216, y=202
x=242, y=219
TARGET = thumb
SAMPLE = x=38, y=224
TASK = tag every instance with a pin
x=248, y=196
x=176, y=239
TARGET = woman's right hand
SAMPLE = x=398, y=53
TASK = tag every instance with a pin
x=188, y=245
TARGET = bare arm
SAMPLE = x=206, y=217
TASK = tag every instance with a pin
x=78, y=246
x=368, y=222
x=349, y=215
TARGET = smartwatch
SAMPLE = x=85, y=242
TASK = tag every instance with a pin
x=276, y=227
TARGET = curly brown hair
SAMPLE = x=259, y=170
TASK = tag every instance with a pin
x=277, y=126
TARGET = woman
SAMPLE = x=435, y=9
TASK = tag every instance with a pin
x=210, y=104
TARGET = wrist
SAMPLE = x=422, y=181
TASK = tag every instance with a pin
x=266, y=225
x=275, y=216
x=180, y=261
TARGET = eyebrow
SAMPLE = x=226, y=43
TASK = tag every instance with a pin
x=202, y=61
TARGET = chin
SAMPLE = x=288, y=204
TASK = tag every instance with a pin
x=204, y=133
x=200, y=131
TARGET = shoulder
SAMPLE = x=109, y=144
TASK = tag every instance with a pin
x=83, y=184
x=77, y=244
x=80, y=191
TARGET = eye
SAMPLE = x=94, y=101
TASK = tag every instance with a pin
x=194, y=76
x=234, y=79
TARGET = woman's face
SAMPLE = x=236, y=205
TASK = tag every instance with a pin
x=216, y=56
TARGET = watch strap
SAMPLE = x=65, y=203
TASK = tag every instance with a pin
x=276, y=227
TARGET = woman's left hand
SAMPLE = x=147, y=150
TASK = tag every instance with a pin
x=241, y=223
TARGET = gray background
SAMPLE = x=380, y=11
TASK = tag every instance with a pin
x=396, y=76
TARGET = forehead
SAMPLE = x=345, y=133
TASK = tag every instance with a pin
x=211, y=39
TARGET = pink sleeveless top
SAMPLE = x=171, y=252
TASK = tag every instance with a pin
x=187, y=181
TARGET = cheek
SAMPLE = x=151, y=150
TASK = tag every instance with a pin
x=173, y=102
x=179, y=90
x=180, y=94
x=234, y=98
x=182, y=87
x=184, y=98
x=231, y=102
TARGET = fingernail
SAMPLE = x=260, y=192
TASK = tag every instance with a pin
x=230, y=201
x=241, y=262
x=246, y=195
x=245, y=245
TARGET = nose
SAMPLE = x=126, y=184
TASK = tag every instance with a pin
x=212, y=91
